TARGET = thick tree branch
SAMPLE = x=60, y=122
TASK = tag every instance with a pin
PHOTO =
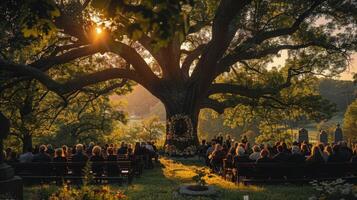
x=223, y=32
x=191, y=56
x=131, y=56
x=47, y=62
x=71, y=85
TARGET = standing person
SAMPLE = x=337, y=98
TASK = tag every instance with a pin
x=338, y=134
x=323, y=137
x=220, y=139
x=228, y=141
x=244, y=139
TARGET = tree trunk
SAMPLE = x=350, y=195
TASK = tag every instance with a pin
x=4, y=132
x=26, y=142
x=182, y=120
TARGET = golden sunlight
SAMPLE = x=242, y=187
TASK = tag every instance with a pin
x=98, y=30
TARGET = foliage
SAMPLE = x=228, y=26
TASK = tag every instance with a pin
x=87, y=192
x=199, y=178
x=337, y=91
x=192, y=54
x=350, y=122
x=148, y=129
x=337, y=189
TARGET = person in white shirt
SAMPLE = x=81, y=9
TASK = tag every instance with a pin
x=256, y=153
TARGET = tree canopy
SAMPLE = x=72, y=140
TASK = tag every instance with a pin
x=190, y=54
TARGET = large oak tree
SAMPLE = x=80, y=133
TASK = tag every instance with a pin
x=190, y=54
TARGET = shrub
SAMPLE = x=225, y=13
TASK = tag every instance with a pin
x=87, y=193
x=334, y=190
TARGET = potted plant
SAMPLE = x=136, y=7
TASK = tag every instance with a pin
x=200, y=188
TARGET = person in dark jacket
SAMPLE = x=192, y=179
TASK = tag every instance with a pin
x=296, y=156
x=42, y=156
x=217, y=158
x=281, y=156
x=264, y=157
x=112, y=169
x=59, y=157
x=316, y=156
x=241, y=157
x=79, y=157
x=344, y=152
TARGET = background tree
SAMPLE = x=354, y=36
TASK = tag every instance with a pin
x=350, y=122
x=204, y=54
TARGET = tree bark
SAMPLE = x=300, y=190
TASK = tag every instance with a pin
x=26, y=142
x=182, y=110
x=4, y=132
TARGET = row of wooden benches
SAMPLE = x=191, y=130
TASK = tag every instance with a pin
x=272, y=173
x=113, y=171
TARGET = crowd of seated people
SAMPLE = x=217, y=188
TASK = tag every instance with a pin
x=219, y=152
x=81, y=153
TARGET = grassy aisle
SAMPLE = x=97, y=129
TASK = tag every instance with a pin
x=162, y=182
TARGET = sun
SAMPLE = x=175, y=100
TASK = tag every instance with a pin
x=98, y=30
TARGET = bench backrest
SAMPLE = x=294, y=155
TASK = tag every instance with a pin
x=68, y=168
x=290, y=170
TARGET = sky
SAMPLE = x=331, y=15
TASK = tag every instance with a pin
x=348, y=74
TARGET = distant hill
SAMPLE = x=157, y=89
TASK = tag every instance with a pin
x=141, y=103
x=338, y=91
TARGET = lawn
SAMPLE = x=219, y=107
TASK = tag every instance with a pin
x=162, y=182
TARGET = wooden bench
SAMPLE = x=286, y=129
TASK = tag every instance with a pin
x=273, y=173
x=113, y=171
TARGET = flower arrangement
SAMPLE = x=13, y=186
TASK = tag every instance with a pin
x=332, y=190
x=186, y=135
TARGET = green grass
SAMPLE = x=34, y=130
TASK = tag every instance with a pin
x=162, y=183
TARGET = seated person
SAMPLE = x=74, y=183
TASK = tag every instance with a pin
x=26, y=157
x=240, y=157
x=42, y=156
x=296, y=156
x=256, y=153
x=354, y=157
x=327, y=152
x=281, y=156
x=305, y=151
x=97, y=168
x=80, y=158
x=112, y=169
x=60, y=170
x=264, y=157
x=217, y=157
x=316, y=157
x=345, y=153
x=123, y=150
x=334, y=155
